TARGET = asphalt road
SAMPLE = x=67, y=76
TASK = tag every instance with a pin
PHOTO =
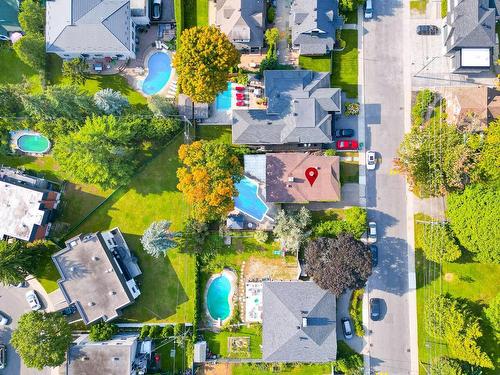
x=12, y=305
x=384, y=91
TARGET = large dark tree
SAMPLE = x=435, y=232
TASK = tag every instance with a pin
x=338, y=263
x=42, y=339
x=18, y=261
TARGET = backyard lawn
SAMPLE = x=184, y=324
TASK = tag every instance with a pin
x=14, y=70
x=302, y=369
x=345, y=65
x=195, y=13
x=210, y=132
x=172, y=364
x=475, y=282
x=218, y=342
x=316, y=63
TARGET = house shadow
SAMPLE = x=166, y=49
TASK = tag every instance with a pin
x=276, y=186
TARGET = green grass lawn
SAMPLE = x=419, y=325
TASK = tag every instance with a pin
x=476, y=282
x=13, y=70
x=349, y=172
x=345, y=65
x=350, y=17
x=214, y=132
x=47, y=273
x=172, y=364
x=217, y=342
x=281, y=368
x=316, y=63
x=195, y=13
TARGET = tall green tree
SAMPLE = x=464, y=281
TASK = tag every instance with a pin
x=492, y=312
x=203, y=62
x=435, y=159
x=10, y=101
x=158, y=238
x=439, y=244
x=111, y=102
x=210, y=170
x=17, y=261
x=350, y=5
x=474, y=216
x=102, y=331
x=76, y=70
x=488, y=167
x=31, y=50
x=42, y=339
x=446, y=366
x=100, y=153
x=290, y=229
x=32, y=17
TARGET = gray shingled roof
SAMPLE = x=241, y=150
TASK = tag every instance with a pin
x=299, y=109
x=307, y=16
x=471, y=24
x=242, y=21
x=285, y=338
x=88, y=26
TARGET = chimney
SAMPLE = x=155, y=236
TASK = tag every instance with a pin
x=291, y=179
x=304, y=322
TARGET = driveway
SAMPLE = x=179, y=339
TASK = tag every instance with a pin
x=384, y=48
x=13, y=304
x=281, y=23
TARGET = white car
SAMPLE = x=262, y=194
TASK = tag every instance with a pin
x=372, y=231
x=3, y=320
x=371, y=160
x=33, y=301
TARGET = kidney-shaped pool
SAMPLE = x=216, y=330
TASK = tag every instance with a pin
x=159, y=70
x=218, y=295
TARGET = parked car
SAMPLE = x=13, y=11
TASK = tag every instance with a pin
x=240, y=88
x=368, y=9
x=240, y=104
x=70, y=310
x=374, y=251
x=3, y=356
x=33, y=301
x=427, y=30
x=347, y=328
x=156, y=11
x=240, y=96
x=371, y=160
x=3, y=320
x=375, y=307
x=344, y=133
x=347, y=145
x=372, y=231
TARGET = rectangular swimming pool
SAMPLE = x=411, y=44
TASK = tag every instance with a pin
x=223, y=100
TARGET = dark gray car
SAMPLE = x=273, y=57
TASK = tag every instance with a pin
x=375, y=308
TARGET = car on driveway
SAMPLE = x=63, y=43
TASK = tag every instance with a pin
x=156, y=11
x=347, y=145
x=33, y=301
x=427, y=30
x=375, y=307
x=374, y=251
x=70, y=310
x=3, y=320
x=3, y=356
x=346, y=328
x=344, y=133
x=371, y=160
x=368, y=9
x=372, y=231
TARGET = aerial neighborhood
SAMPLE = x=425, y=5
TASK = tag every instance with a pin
x=249, y=187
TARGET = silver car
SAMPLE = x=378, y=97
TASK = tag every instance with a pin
x=372, y=231
x=33, y=301
x=371, y=160
x=3, y=320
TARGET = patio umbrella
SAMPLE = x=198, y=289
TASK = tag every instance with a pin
x=15, y=37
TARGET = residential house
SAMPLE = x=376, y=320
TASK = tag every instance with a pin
x=119, y=356
x=243, y=21
x=298, y=322
x=300, y=112
x=469, y=35
x=97, y=274
x=91, y=29
x=9, y=24
x=27, y=205
x=139, y=10
x=471, y=108
x=314, y=25
x=286, y=180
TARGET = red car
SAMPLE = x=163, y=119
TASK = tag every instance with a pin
x=240, y=96
x=240, y=88
x=240, y=104
x=347, y=145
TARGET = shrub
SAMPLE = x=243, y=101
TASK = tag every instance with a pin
x=351, y=109
x=32, y=17
x=102, y=331
x=423, y=100
x=31, y=50
x=439, y=244
x=155, y=331
x=261, y=236
x=167, y=331
x=271, y=14
x=144, y=332
x=445, y=366
x=330, y=152
x=356, y=311
x=111, y=102
x=492, y=312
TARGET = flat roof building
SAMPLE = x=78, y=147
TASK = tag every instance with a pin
x=97, y=274
x=27, y=205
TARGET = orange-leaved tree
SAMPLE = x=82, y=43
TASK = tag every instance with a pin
x=207, y=177
x=203, y=62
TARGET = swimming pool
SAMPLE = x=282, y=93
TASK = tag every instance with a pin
x=248, y=200
x=159, y=69
x=33, y=143
x=218, y=298
x=223, y=100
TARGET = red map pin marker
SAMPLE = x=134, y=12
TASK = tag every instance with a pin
x=311, y=175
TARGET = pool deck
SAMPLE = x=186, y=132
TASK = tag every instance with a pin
x=233, y=279
x=16, y=134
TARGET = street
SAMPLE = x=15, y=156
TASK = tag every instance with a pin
x=384, y=97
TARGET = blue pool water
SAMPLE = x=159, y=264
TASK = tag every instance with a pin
x=248, y=200
x=223, y=100
x=33, y=143
x=218, y=298
x=159, y=69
